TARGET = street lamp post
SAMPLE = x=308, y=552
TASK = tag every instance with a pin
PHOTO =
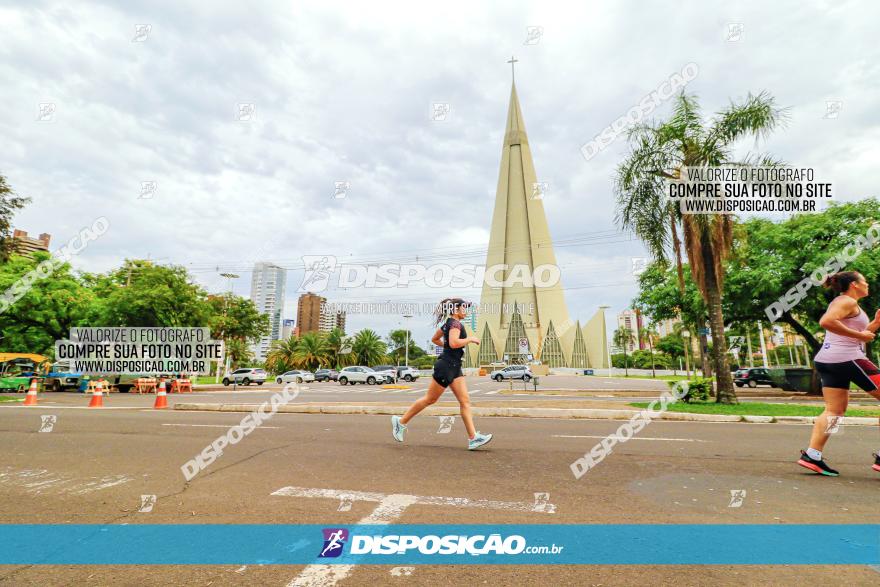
x=406, y=318
x=221, y=363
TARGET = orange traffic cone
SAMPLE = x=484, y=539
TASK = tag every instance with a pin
x=97, y=396
x=31, y=397
x=161, y=397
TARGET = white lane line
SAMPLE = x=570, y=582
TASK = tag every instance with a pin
x=633, y=438
x=220, y=426
x=492, y=392
x=390, y=508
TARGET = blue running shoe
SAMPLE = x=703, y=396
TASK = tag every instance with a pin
x=479, y=440
x=397, y=429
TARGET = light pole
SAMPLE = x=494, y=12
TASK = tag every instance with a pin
x=406, y=318
x=605, y=338
x=224, y=357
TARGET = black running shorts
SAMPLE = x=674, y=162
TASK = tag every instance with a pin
x=862, y=372
x=446, y=371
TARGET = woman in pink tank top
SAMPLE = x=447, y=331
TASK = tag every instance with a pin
x=841, y=362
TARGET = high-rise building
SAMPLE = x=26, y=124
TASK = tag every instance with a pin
x=308, y=312
x=26, y=245
x=631, y=320
x=267, y=292
x=287, y=328
x=313, y=314
x=527, y=318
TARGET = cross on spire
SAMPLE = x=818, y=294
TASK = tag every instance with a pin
x=512, y=62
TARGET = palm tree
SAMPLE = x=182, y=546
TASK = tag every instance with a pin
x=282, y=355
x=338, y=348
x=659, y=151
x=368, y=348
x=623, y=337
x=238, y=351
x=312, y=351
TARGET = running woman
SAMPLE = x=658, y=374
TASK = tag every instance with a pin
x=447, y=371
x=842, y=361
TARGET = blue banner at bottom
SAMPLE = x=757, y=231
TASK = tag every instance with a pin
x=418, y=544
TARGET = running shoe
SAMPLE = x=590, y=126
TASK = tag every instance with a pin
x=818, y=466
x=479, y=440
x=397, y=429
x=876, y=456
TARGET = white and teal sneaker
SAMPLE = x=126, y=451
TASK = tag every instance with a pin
x=397, y=429
x=479, y=440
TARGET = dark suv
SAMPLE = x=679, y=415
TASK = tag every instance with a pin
x=753, y=377
x=326, y=375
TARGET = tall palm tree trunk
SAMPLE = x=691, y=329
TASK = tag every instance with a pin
x=723, y=377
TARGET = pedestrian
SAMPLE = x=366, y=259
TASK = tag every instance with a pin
x=842, y=361
x=447, y=371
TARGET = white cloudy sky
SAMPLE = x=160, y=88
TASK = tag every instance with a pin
x=342, y=92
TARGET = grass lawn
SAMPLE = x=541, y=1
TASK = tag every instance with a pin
x=10, y=398
x=756, y=409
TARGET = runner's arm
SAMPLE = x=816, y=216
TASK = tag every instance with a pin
x=839, y=309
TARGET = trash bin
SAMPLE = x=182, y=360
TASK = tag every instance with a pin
x=588, y=371
x=536, y=381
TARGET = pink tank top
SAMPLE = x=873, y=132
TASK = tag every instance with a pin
x=838, y=348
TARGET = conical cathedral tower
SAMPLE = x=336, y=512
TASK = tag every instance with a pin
x=518, y=315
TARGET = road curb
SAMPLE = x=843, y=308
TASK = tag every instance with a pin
x=565, y=413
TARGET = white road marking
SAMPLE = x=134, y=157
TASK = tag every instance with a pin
x=390, y=508
x=38, y=480
x=492, y=392
x=221, y=426
x=633, y=438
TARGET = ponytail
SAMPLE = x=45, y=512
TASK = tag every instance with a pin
x=840, y=282
x=447, y=307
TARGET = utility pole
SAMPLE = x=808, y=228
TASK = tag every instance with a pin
x=763, y=344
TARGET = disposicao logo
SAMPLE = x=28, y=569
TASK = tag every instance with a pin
x=334, y=540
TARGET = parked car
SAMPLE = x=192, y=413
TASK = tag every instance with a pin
x=60, y=377
x=295, y=377
x=246, y=377
x=326, y=375
x=512, y=372
x=407, y=373
x=388, y=371
x=358, y=374
x=753, y=377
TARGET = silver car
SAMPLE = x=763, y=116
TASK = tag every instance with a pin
x=358, y=374
x=512, y=372
x=295, y=377
x=246, y=377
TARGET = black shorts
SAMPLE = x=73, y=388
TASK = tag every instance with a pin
x=446, y=371
x=862, y=372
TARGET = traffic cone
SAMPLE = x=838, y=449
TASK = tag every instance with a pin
x=161, y=397
x=31, y=397
x=97, y=396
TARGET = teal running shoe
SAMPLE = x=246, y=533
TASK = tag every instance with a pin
x=397, y=429
x=479, y=440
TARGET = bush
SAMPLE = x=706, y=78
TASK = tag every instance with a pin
x=699, y=389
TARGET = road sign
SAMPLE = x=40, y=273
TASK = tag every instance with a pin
x=523, y=346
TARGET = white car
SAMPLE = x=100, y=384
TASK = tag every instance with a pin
x=245, y=377
x=295, y=377
x=512, y=372
x=352, y=375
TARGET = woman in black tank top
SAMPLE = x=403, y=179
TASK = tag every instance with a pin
x=447, y=371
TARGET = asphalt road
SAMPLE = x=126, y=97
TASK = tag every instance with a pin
x=94, y=466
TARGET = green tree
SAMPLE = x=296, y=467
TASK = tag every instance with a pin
x=623, y=337
x=233, y=316
x=9, y=203
x=48, y=309
x=141, y=293
x=659, y=151
x=282, y=355
x=397, y=344
x=368, y=348
x=312, y=351
x=239, y=353
x=338, y=348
